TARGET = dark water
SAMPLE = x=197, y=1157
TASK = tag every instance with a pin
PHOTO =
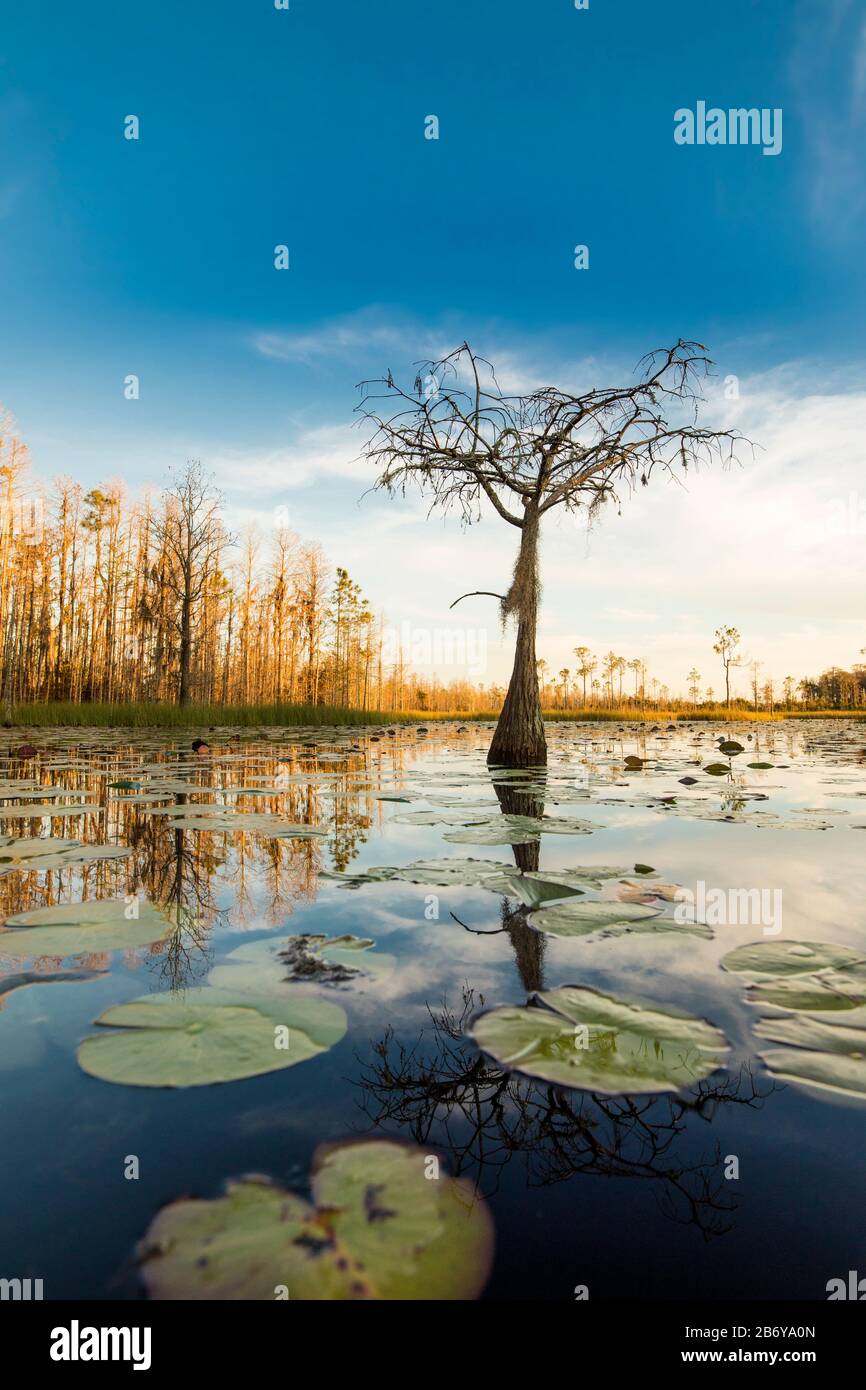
x=627, y=1196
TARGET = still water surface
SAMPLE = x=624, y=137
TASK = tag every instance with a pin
x=627, y=1196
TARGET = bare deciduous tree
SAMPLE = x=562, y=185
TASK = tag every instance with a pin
x=190, y=530
x=464, y=441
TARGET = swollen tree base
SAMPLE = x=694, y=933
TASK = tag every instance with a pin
x=519, y=737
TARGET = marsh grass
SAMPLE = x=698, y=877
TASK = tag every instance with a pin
x=59, y=714
x=68, y=714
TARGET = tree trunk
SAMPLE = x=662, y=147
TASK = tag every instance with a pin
x=519, y=738
x=185, y=651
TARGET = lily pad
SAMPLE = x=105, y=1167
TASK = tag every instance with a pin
x=829, y=991
x=492, y=833
x=587, y=876
x=48, y=853
x=208, y=1036
x=822, y=1056
x=790, y=958
x=534, y=889
x=583, y=918
x=377, y=1228
x=71, y=928
x=598, y=1042
x=354, y=879
x=802, y=975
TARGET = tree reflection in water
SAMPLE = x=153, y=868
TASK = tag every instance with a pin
x=452, y=1097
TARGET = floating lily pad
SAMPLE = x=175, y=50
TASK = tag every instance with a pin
x=80, y=808
x=534, y=889
x=354, y=879
x=208, y=1036
x=717, y=769
x=48, y=853
x=598, y=1042
x=493, y=833
x=800, y=975
x=821, y=1055
x=13, y=850
x=208, y=818
x=377, y=1228
x=583, y=918
x=790, y=958
x=442, y=817
x=588, y=876
x=457, y=873
x=71, y=928
x=829, y=991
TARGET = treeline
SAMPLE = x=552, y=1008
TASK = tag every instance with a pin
x=109, y=599
x=836, y=689
x=103, y=599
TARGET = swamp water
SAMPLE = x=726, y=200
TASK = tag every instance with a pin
x=597, y=1028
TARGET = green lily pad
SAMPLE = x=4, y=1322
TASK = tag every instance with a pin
x=55, y=812
x=48, y=853
x=354, y=879
x=13, y=850
x=583, y=918
x=598, y=1042
x=717, y=769
x=822, y=1056
x=829, y=991
x=562, y=825
x=588, y=876
x=731, y=748
x=534, y=889
x=377, y=1228
x=442, y=817
x=207, y=818
x=492, y=834
x=760, y=767
x=71, y=928
x=208, y=1036
x=457, y=873
x=799, y=975
x=790, y=958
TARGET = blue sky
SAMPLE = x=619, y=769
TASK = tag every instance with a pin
x=306, y=127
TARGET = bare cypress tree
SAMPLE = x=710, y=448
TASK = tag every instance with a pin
x=191, y=533
x=461, y=440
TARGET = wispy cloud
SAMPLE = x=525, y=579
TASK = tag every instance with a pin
x=352, y=338
x=828, y=75
x=317, y=455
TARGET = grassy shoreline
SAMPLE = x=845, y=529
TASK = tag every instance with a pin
x=67, y=714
